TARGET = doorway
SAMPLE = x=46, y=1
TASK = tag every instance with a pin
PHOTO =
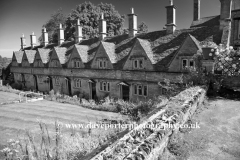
x=35, y=82
x=92, y=88
x=50, y=83
x=125, y=92
x=68, y=85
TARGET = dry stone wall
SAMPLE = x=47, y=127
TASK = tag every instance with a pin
x=148, y=140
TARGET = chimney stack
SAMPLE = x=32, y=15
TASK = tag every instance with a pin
x=33, y=40
x=44, y=37
x=23, y=41
x=132, y=21
x=78, y=33
x=60, y=34
x=102, y=28
x=171, y=18
x=225, y=15
x=196, y=10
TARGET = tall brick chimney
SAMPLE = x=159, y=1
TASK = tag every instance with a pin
x=132, y=21
x=102, y=27
x=78, y=33
x=33, y=40
x=196, y=10
x=44, y=37
x=171, y=18
x=60, y=34
x=23, y=41
x=225, y=15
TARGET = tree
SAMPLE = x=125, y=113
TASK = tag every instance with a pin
x=89, y=16
x=52, y=25
x=142, y=28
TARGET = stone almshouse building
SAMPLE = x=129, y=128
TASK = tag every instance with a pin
x=128, y=66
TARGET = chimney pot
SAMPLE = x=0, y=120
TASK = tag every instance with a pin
x=171, y=18
x=102, y=28
x=78, y=33
x=170, y=2
x=44, y=37
x=132, y=21
x=23, y=41
x=132, y=10
x=196, y=10
x=33, y=40
x=60, y=34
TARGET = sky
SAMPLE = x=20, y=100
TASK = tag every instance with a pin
x=27, y=16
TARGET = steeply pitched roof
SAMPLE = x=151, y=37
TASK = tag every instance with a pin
x=18, y=55
x=44, y=54
x=61, y=53
x=30, y=55
x=207, y=22
x=83, y=52
x=196, y=42
x=147, y=48
x=110, y=50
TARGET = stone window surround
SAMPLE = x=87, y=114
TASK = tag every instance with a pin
x=57, y=81
x=188, y=61
x=142, y=88
x=76, y=63
x=102, y=63
x=104, y=86
x=138, y=63
x=77, y=83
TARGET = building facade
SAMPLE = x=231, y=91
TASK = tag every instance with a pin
x=128, y=66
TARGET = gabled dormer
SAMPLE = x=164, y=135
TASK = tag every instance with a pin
x=17, y=58
x=79, y=56
x=28, y=58
x=57, y=57
x=184, y=58
x=105, y=56
x=141, y=56
x=42, y=57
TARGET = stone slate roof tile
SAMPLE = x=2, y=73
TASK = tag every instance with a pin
x=61, y=53
x=83, y=52
x=207, y=22
x=44, y=54
x=30, y=55
x=18, y=55
x=148, y=50
x=110, y=50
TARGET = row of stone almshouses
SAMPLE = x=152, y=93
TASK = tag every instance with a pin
x=100, y=69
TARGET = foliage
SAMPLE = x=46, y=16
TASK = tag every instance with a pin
x=89, y=15
x=142, y=28
x=227, y=61
x=58, y=146
x=52, y=26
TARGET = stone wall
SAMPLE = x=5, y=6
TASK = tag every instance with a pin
x=149, y=142
x=114, y=77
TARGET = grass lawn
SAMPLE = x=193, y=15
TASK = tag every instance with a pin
x=15, y=119
x=8, y=97
x=219, y=133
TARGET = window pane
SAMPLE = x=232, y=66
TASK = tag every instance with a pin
x=104, y=64
x=135, y=64
x=184, y=62
x=104, y=86
x=108, y=86
x=145, y=90
x=135, y=89
x=139, y=90
x=191, y=63
x=100, y=64
x=140, y=63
